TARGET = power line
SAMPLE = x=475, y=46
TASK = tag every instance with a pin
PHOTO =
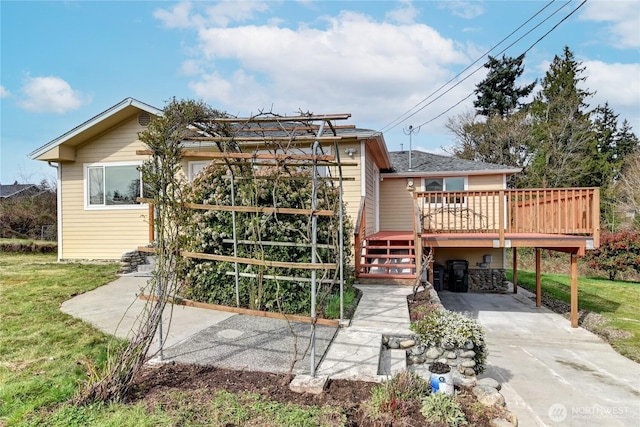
x=402, y=117
x=527, y=50
x=410, y=114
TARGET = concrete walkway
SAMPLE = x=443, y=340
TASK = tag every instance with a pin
x=355, y=351
x=552, y=374
x=222, y=339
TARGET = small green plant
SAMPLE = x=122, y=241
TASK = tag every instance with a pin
x=441, y=407
x=454, y=329
x=393, y=398
x=332, y=307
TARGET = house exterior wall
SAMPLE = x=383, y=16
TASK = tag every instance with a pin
x=473, y=255
x=370, y=202
x=351, y=188
x=106, y=233
x=396, y=205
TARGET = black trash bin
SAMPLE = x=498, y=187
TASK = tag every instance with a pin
x=458, y=271
x=438, y=277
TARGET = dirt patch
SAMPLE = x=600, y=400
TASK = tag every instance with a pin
x=156, y=384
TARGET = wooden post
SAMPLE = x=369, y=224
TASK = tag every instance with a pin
x=574, y=290
x=538, y=281
x=515, y=270
x=501, y=209
x=152, y=220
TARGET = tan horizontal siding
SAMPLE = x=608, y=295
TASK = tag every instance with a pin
x=485, y=182
x=396, y=205
x=101, y=234
x=473, y=255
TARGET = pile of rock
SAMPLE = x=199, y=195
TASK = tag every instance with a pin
x=488, y=280
x=129, y=262
x=460, y=359
x=487, y=391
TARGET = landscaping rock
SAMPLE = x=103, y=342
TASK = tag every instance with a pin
x=407, y=343
x=490, y=382
x=418, y=350
x=462, y=380
x=488, y=396
x=433, y=353
x=468, y=354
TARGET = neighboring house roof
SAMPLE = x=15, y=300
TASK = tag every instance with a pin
x=63, y=147
x=423, y=163
x=14, y=190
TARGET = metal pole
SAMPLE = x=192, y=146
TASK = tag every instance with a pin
x=314, y=243
x=410, y=131
x=340, y=235
x=159, y=279
x=235, y=240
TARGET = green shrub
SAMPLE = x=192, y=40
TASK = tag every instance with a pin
x=261, y=236
x=392, y=399
x=443, y=408
x=455, y=329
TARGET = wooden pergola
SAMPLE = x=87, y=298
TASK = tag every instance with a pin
x=269, y=141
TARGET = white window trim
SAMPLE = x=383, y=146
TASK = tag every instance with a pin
x=193, y=164
x=85, y=182
x=444, y=188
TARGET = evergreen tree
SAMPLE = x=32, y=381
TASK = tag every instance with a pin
x=561, y=126
x=498, y=93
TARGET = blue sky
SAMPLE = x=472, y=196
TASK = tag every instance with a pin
x=62, y=63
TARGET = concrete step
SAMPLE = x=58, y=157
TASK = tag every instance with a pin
x=146, y=268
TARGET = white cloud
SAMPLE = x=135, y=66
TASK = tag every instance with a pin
x=623, y=16
x=4, y=92
x=464, y=9
x=352, y=64
x=404, y=14
x=614, y=85
x=50, y=94
x=220, y=14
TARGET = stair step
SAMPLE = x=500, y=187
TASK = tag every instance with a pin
x=146, y=268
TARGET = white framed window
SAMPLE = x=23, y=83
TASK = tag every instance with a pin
x=114, y=185
x=456, y=183
x=196, y=167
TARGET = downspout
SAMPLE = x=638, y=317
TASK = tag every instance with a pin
x=58, y=206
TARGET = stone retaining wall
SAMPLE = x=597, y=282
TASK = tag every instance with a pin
x=129, y=261
x=488, y=280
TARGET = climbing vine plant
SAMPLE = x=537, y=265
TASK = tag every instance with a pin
x=264, y=236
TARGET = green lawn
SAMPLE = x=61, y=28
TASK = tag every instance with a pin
x=617, y=301
x=46, y=355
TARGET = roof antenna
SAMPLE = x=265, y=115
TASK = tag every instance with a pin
x=410, y=131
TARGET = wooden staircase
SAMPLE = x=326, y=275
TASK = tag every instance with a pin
x=388, y=257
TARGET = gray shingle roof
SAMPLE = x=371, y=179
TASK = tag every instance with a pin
x=423, y=162
x=11, y=190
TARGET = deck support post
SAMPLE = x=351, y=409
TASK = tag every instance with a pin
x=538, y=281
x=574, y=290
x=515, y=270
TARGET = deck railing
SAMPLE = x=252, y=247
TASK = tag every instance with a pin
x=571, y=211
